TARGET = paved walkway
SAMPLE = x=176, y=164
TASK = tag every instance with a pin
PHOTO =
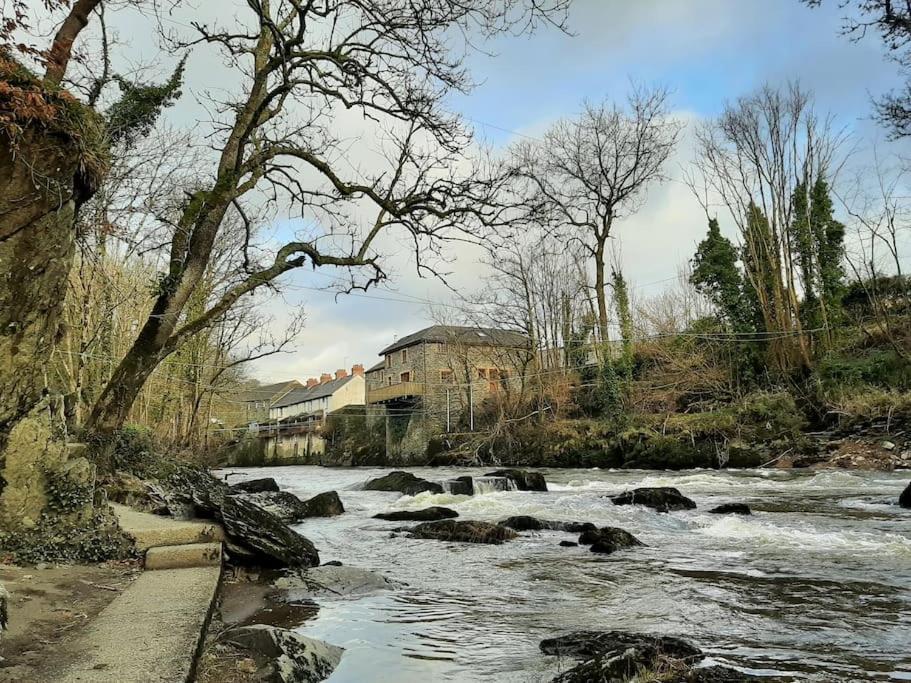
x=150, y=633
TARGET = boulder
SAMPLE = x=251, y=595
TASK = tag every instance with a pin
x=460, y=486
x=662, y=499
x=256, y=485
x=431, y=514
x=905, y=498
x=292, y=658
x=589, y=644
x=608, y=539
x=403, y=482
x=130, y=490
x=326, y=504
x=274, y=543
x=197, y=489
x=568, y=544
x=332, y=580
x=283, y=504
x=732, y=509
x=463, y=531
x=527, y=523
x=524, y=480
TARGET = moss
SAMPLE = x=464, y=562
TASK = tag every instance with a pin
x=27, y=102
x=54, y=541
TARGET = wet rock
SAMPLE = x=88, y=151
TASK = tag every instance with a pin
x=403, y=482
x=136, y=493
x=608, y=539
x=524, y=480
x=431, y=514
x=905, y=498
x=527, y=523
x=197, y=489
x=732, y=509
x=463, y=532
x=272, y=541
x=662, y=499
x=332, y=580
x=568, y=544
x=588, y=644
x=460, y=486
x=326, y=504
x=292, y=658
x=718, y=674
x=256, y=485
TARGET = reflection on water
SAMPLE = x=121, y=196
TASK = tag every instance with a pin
x=816, y=585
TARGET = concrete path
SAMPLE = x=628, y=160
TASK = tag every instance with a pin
x=150, y=633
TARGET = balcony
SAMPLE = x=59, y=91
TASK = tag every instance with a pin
x=395, y=392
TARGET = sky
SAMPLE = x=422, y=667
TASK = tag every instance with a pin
x=707, y=52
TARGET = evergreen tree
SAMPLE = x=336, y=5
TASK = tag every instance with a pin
x=716, y=275
x=829, y=235
x=625, y=318
x=803, y=238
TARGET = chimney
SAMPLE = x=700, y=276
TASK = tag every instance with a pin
x=325, y=377
x=312, y=382
x=357, y=370
x=341, y=373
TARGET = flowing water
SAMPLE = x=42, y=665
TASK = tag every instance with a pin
x=816, y=585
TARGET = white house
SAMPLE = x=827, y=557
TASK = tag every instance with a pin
x=324, y=395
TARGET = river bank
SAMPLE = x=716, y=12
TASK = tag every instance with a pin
x=814, y=585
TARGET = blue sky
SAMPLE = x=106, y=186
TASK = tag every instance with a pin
x=706, y=51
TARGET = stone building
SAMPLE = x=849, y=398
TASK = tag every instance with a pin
x=438, y=379
x=294, y=432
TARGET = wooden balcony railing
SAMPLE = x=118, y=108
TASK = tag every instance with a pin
x=395, y=391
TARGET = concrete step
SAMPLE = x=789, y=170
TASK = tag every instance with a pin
x=150, y=633
x=183, y=556
x=149, y=531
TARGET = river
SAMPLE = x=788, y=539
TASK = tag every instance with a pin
x=815, y=585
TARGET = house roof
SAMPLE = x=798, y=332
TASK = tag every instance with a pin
x=268, y=393
x=310, y=393
x=454, y=334
x=378, y=366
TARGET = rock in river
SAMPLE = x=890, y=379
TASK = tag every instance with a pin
x=332, y=580
x=524, y=480
x=460, y=486
x=326, y=504
x=662, y=499
x=272, y=541
x=293, y=658
x=905, y=498
x=527, y=523
x=256, y=485
x=618, y=655
x=608, y=539
x=404, y=482
x=463, y=531
x=431, y=514
x=732, y=509
x=291, y=509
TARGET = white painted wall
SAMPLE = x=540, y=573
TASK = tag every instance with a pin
x=352, y=393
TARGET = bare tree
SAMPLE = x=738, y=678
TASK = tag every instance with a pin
x=590, y=172
x=752, y=159
x=300, y=65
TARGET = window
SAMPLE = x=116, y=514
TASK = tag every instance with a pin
x=389, y=380
x=447, y=376
x=405, y=377
x=404, y=356
x=482, y=373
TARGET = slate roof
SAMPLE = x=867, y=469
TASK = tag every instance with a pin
x=378, y=366
x=267, y=393
x=454, y=334
x=308, y=394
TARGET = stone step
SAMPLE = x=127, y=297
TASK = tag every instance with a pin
x=183, y=556
x=149, y=531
